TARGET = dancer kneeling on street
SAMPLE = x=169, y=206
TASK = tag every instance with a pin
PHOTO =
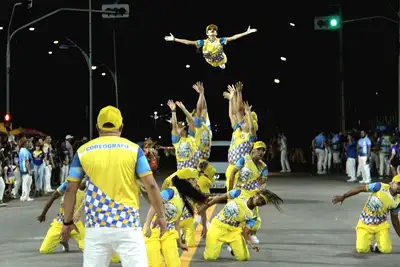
x=373, y=221
x=227, y=226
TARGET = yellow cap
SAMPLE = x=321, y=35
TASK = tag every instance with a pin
x=255, y=125
x=396, y=178
x=110, y=115
x=187, y=173
x=210, y=171
x=259, y=144
x=212, y=26
x=254, y=116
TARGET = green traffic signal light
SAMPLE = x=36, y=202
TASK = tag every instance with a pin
x=333, y=22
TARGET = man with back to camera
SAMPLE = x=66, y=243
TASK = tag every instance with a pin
x=113, y=164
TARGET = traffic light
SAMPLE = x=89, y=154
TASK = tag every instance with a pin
x=7, y=121
x=7, y=117
x=327, y=23
x=119, y=11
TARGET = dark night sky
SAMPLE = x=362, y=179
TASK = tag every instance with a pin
x=50, y=92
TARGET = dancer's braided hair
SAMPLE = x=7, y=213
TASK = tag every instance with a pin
x=272, y=198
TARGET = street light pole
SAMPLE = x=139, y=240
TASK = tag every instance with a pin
x=90, y=75
x=8, y=59
x=115, y=79
x=10, y=36
x=341, y=75
x=115, y=75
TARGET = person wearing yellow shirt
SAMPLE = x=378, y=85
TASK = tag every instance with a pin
x=177, y=197
x=53, y=237
x=234, y=222
x=212, y=47
x=383, y=201
x=202, y=123
x=114, y=164
x=244, y=129
x=251, y=174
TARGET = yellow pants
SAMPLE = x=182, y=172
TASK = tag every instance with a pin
x=218, y=234
x=187, y=226
x=365, y=234
x=228, y=172
x=53, y=238
x=166, y=246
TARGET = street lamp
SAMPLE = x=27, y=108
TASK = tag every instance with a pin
x=114, y=77
x=89, y=65
x=55, y=42
x=1, y=28
x=283, y=58
x=50, y=52
x=31, y=29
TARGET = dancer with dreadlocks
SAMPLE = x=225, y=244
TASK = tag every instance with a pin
x=178, y=196
x=245, y=126
x=187, y=157
x=227, y=226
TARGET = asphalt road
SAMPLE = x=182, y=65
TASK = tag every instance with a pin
x=310, y=231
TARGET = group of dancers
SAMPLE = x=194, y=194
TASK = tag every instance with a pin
x=185, y=192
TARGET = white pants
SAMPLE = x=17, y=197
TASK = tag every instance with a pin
x=100, y=244
x=384, y=166
x=364, y=168
x=351, y=168
x=327, y=159
x=284, y=160
x=2, y=188
x=63, y=173
x=47, y=178
x=17, y=184
x=26, y=186
x=320, y=159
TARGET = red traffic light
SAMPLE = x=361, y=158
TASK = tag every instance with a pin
x=7, y=117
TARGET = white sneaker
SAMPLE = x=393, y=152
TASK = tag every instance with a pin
x=29, y=199
x=351, y=180
x=22, y=199
x=254, y=239
x=362, y=182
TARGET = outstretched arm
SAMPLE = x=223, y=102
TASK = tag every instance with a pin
x=201, y=106
x=171, y=38
x=363, y=188
x=240, y=35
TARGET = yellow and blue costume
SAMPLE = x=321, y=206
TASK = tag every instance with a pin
x=248, y=180
x=203, y=137
x=240, y=146
x=373, y=219
x=213, y=52
x=53, y=236
x=227, y=227
x=167, y=245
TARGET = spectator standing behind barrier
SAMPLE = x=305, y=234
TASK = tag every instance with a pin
x=112, y=202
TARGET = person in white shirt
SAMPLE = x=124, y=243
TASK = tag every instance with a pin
x=364, y=154
x=282, y=141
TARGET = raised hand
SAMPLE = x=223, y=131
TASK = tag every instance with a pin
x=198, y=87
x=249, y=30
x=239, y=86
x=171, y=104
x=247, y=107
x=170, y=38
x=227, y=95
x=180, y=104
x=231, y=89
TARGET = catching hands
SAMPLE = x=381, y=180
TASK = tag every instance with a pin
x=247, y=107
x=171, y=38
x=249, y=30
x=198, y=87
x=239, y=86
x=171, y=104
x=180, y=104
